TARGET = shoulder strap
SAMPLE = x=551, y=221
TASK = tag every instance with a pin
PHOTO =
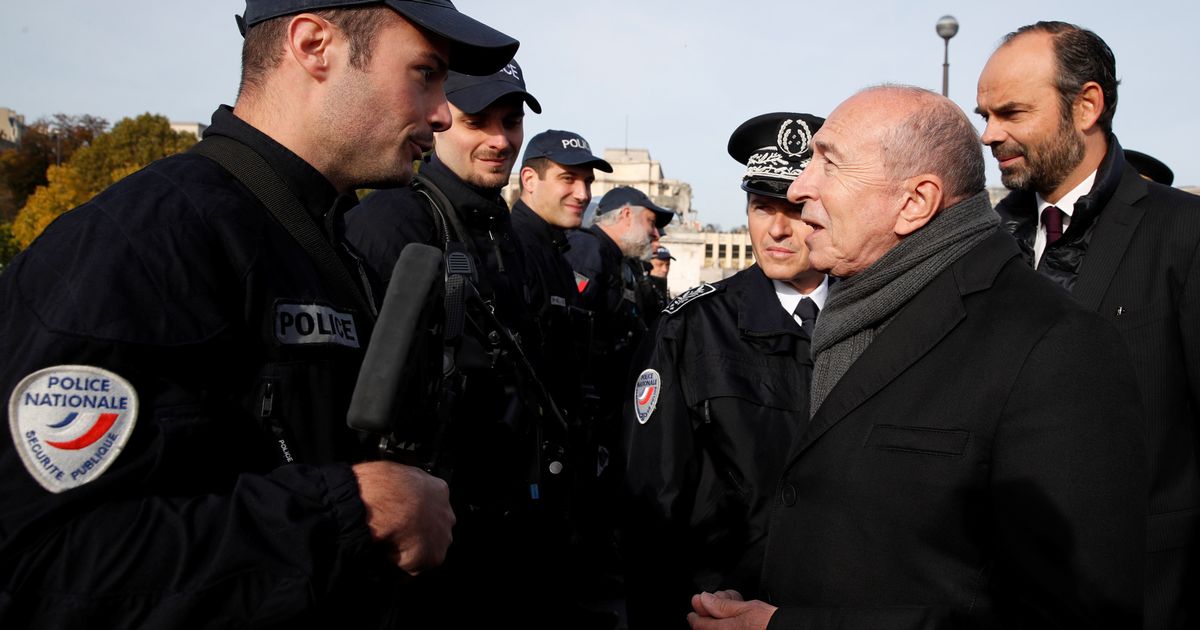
x=248, y=167
x=452, y=227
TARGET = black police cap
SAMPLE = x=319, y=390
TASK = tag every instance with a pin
x=473, y=94
x=566, y=148
x=622, y=196
x=662, y=253
x=475, y=48
x=1150, y=166
x=775, y=148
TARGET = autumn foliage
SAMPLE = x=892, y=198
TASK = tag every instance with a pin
x=132, y=144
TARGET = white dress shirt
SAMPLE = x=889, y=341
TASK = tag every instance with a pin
x=1067, y=205
x=789, y=297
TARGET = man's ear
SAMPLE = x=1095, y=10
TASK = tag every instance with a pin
x=311, y=44
x=526, y=175
x=921, y=200
x=1088, y=106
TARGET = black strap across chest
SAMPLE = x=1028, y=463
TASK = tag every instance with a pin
x=248, y=167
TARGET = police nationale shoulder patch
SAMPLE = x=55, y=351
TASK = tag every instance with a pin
x=297, y=323
x=688, y=296
x=645, y=394
x=69, y=423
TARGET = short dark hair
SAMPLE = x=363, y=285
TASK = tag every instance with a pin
x=1080, y=56
x=539, y=165
x=262, y=52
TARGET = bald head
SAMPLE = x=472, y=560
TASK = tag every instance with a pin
x=924, y=132
x=885, y=162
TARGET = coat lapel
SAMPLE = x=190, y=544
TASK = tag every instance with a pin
x=931, y=314
x=927, y=319
x=1114, y=229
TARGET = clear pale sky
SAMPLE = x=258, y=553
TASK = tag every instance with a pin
x=684, y=73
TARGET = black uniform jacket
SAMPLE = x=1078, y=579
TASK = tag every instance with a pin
x=388, y=220
x=1132, y=253
x=701, y=469
x=608, y=288
x=504, y=521
x=605, y=285
x=232, y=504
x=562, y=323
x=981, y=463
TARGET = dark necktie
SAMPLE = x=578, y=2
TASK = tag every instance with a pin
x=807, y=311
x=1052, y=218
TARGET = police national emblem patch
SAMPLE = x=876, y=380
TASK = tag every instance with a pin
x=581, y=282
x=689, y=295
x=69, y=423
x=645, y=394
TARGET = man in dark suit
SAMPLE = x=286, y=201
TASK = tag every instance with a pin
x=945, y=478
x=1124, y=247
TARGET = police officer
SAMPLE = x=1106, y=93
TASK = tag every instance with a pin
x=653, y=295
x=722, y=393
x=556, y=187
x=626, y=224
x=178, y=364
x=507, y=485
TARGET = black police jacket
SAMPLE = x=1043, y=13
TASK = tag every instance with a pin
x=608, y=288
x=564, y=326
x=504, y=520
x=388, y=220
x=492, y=429
x=729, y=368
x=233, y=502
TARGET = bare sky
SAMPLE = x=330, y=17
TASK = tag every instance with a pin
x=684, y=73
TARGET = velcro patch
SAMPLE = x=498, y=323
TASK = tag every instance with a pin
x=69, y=423
x=689, y=295
x=645, y=394
x=314, y=324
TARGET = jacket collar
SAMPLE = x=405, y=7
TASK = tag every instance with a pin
x=757, y=320
x=607, y=245
x=541, y=229
x=478, y=207
x=311, y=188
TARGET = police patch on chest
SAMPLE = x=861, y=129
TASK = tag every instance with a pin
x=69, y=423
x=689, y=295
x=302, y=324
x=645, y=394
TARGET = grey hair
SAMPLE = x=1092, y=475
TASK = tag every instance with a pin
x=608, y=218
x=938, y=138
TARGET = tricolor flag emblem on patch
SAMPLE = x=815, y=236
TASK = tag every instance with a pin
x=645, y=394
x=581, y=281
x=69, y=423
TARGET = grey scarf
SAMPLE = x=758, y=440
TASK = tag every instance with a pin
x=860, y=306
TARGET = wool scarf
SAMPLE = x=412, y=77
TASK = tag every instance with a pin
x=859, y=306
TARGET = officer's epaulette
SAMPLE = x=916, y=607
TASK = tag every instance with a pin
x=690, y=295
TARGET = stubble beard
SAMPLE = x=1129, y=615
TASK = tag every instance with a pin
x=1047, y=165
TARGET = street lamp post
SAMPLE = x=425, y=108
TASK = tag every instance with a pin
x=947, y=27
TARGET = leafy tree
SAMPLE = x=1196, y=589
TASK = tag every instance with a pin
x=8, y=245
x=44, y=143
x=132, y=144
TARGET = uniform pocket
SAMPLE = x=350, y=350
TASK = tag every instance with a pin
x=774, y=382
x=919, y=440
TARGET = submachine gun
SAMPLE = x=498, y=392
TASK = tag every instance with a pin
x=411, y=381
